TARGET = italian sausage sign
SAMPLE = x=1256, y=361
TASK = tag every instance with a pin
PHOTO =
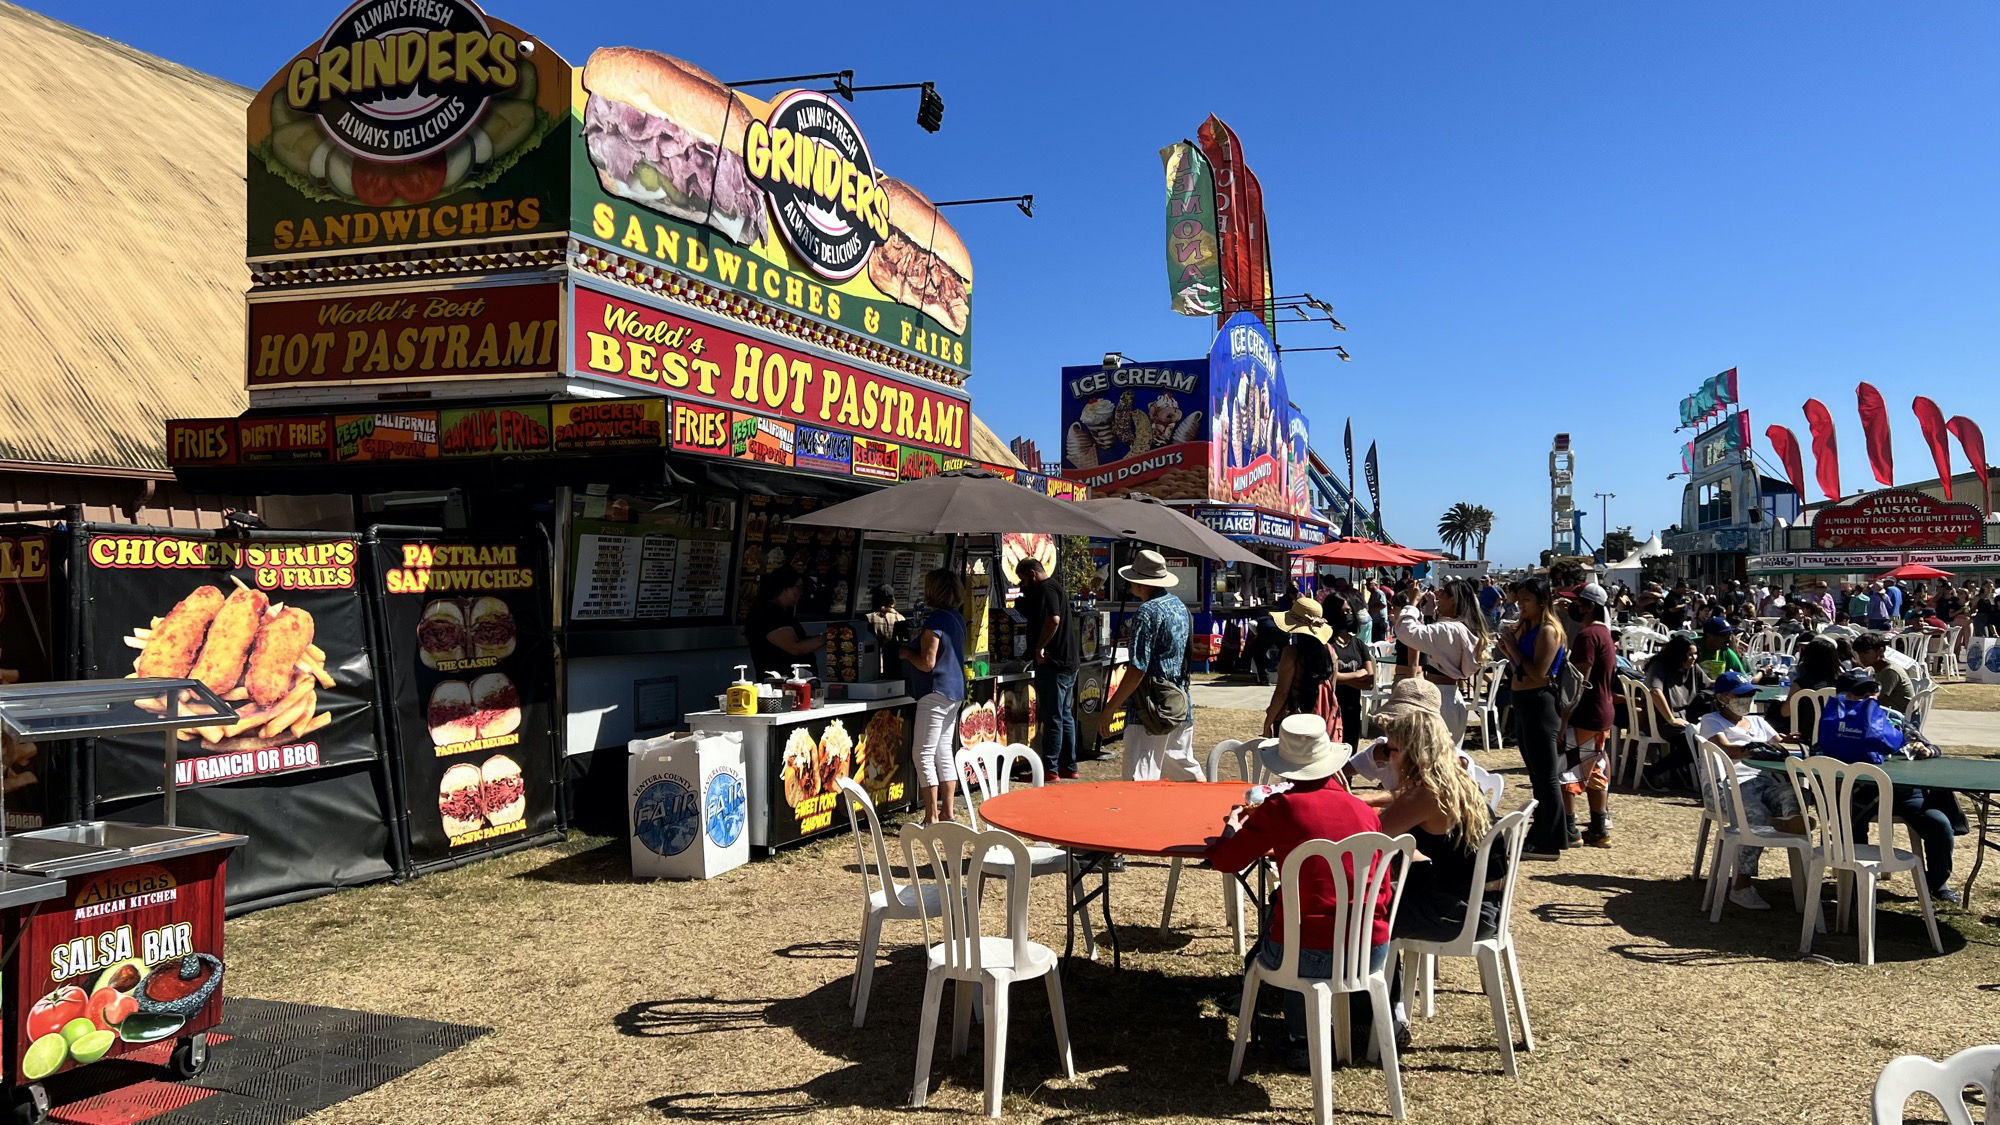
x=274, y=624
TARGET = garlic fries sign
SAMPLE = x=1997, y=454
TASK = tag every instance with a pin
x=272, y=622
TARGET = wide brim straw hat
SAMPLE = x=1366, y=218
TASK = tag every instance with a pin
x=1149, y=568
x=1304, y=616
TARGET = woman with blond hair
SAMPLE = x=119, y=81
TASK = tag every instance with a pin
x=1438, y=803
x=934, y=675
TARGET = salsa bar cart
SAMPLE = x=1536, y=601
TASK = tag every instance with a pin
x=125, y=953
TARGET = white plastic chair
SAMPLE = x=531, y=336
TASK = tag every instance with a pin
x=1490, y=783
x=883, y=896
x=1250, y=767
x=1485, y=704
x=1804, y=708
x=1497, y=961
x=1944, y=657
x=956, y=862
x=1830, y=784
x=1943, y=1080
x=1711, y=804
x=1737, y=834
x=987, y=768
x=1915, y=644
x=1642, y=733
x=1921, y=709
x=1359, y=866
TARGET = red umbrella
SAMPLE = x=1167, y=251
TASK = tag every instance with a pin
x=1914, y=571
x=1356, y=552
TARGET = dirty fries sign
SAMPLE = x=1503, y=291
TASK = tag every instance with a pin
x=634, y=344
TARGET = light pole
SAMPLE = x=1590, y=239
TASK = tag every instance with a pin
x=1604, y=521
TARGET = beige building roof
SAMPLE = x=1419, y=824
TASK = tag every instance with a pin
x=121, y=230
x=987, y=446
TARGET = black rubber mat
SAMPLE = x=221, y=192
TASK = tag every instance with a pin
x=269, y=1063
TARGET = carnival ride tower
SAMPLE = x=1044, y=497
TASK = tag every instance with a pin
x=1562, y=506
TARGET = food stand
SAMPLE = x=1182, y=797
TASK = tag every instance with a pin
x=503, y=323
x=1218, y=437
x=143, y=916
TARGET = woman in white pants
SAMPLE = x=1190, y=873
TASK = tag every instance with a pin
x=934, y=673
x=1451, y=649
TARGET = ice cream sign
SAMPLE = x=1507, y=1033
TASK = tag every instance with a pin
x=1138, y=427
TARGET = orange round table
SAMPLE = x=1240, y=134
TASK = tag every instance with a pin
x=1162, y=818
x=1097, y=820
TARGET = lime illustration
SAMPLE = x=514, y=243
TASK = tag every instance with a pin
x=725, y=809
x=45, y=1056
x=92, y=1047
x=77, y=1029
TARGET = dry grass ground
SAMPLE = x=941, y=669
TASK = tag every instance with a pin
x=615, y=1002
x=1968, y=697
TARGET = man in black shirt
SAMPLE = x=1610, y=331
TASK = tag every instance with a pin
x=1052, y=642
x=772, y=630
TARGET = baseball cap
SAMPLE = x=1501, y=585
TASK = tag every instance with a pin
x=1734, y=683
x=1594, y=594
x=1717, y=627
x=1857, y=680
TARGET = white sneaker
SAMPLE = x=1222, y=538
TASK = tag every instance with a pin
x=1748, y=899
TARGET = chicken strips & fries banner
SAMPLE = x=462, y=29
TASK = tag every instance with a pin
x=274, y=623
x=465, y=628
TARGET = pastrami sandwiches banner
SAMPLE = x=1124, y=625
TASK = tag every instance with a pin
x=465, y=633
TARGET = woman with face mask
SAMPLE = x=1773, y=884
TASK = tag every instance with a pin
x=1768, y=800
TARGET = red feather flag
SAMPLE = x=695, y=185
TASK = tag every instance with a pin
x=1973, y=443
x=1786, y=443
x=1931, y=419
x=1826, y=456
x=1875, y=427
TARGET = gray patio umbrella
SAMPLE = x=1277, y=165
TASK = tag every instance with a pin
x=961, y=502
x=1151, y=521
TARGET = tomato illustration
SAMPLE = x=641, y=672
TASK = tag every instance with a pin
x=51, y=1012
x=379, y=185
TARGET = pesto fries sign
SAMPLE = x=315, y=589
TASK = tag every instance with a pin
x=410, y=121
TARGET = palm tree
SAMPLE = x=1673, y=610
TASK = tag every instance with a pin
x=1458, y=527
x=1482, y=526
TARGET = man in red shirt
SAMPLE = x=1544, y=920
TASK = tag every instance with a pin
x=1594, y=654
x=1317, y=806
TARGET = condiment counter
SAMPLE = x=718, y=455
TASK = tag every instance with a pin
x=791, y=761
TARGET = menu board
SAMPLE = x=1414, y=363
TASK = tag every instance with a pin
x=900, y=563
x=650, y=557
x=703, y=565
x=823, y=556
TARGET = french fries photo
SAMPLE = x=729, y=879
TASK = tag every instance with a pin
x=256, y=654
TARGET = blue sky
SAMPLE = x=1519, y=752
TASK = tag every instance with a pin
x=1533, y=217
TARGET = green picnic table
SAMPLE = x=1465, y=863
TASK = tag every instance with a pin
x=1977, y=778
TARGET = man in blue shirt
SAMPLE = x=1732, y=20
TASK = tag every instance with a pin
x=1159, y=643
x=1895, y=593
x=1855, y=728
x=1489, y=601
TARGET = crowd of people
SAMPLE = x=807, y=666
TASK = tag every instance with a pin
x=1562, y=686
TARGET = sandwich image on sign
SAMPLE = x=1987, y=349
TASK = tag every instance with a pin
x=441, y=634
x=937, y=280
x=501, y=790
x=492, y=628
x=669, y=135
x=488, y=707
x=458, y=800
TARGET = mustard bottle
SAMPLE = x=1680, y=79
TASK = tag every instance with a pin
x=742, y=694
